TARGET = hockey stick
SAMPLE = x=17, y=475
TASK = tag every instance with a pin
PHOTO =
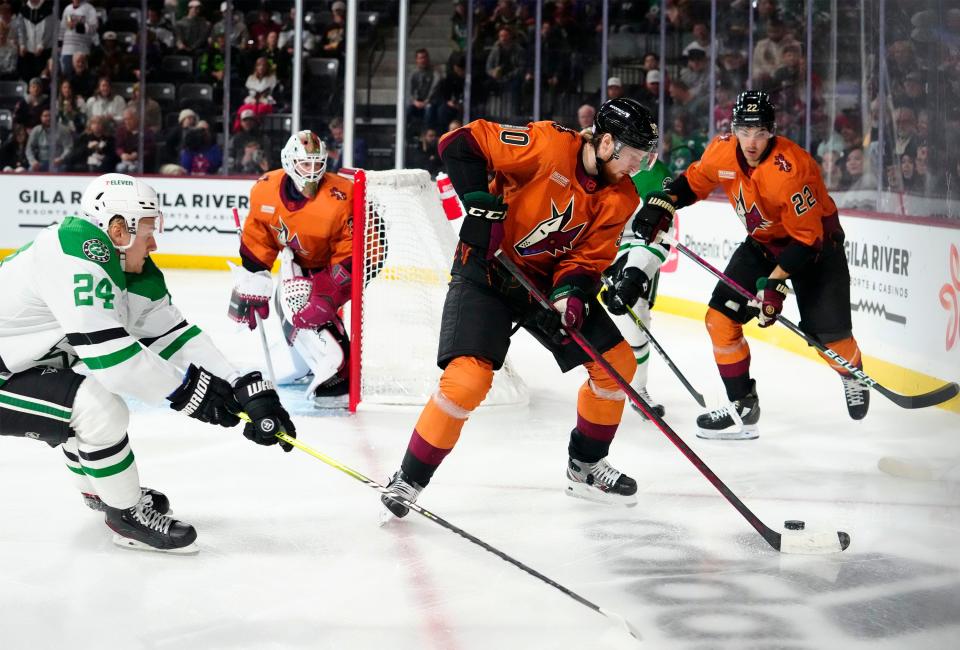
x=932, y=398
x=623, y=624
x=794, y=542
x=263, y=334
x=607, y=285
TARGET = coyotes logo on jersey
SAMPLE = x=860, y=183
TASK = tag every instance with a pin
x=752, y=219
x=283, y=236
x=548, y=236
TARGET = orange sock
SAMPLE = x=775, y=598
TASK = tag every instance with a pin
x=849, y=350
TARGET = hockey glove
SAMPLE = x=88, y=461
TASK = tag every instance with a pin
x=771, y=292
x=569, y=311
x=627, y=290
x=331, y=288
x=655, y=216
x=205, y=397
x=483, y=225
x=258, y=398
x=251, y=295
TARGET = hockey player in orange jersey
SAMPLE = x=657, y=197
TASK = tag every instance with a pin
x=793, y=231
x=556, y=206
x=304, y=216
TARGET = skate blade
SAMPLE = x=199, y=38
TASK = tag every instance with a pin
x=587, y=493
x=134, y=545
x=748, y=432
x=332, y=402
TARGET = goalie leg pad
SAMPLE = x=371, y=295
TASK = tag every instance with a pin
x=731, y=352
x=463, y=386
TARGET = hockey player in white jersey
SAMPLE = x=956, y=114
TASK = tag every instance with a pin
x=86, y=291
x=635, y=273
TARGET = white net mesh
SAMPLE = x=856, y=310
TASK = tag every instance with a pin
x=408, y=248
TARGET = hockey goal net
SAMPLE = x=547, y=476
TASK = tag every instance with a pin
x=403, y=246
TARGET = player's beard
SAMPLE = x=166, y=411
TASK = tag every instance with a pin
x=310, y=189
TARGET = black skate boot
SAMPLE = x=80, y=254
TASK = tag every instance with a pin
x=857, y=396
x=334, y=393
x=735, y=421
x=401, y=485
x=142, y=527
x=600, y=482
x=148, y=496
x=654, y=406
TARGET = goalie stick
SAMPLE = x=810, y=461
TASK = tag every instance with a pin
x=263, y=334
x=931, y=398
x=794, y=542
x=607, y=285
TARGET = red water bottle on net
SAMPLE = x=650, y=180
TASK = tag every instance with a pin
x=448, y=197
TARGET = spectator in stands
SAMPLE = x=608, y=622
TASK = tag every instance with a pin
x=614, y=88
x=192, y=30
x=9, y=55
x=27, y=110
x=263, y=25
x=261, y=84
x=454, y=125
x=694, y=107
x=311, y=40
x=831, y=170
x=505, y=69
x=70, y=108
x=701, y=39
x=280, y=61
x=585, y=115
x=128, y=145
x=201, y=155
x=83, y=79
x=239, y=34
x=649, y=94
x=78, y=27
x=13, y=153
x=651, y=61
x=36, y=30
x=212, y=63
x=95, y=150
x=555, y=68
x=914, y=96
x=38, y=145
x=334, y=144
x=161, y=28
x=249, y=132
x=505, y=16
x=695, y=73
x=335, y=34
x=901, y=61
x=909, y=182
x=426, y=155
x=768, y=53
x=252, y=160
x=423, y=80
x=154, y=121
x=105, y=102
x=110, y=59
x=905, y=125
x=458, y=26
x=173, y=139
x=446, y=103
x=733, y=70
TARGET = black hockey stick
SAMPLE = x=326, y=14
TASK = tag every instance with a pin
x=932, y=398
x=608, y=285
x=813, y=543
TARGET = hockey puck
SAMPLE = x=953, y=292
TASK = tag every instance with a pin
x=793, y=524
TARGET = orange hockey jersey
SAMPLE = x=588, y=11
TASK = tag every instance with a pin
x=318, y=230
x=783, y=198
x=560, y=220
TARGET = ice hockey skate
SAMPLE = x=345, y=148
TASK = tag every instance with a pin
x=857, y=396
x=148, y=496
x=144, y=528
x=654, y=405
x=401, y=485
x=600, y=482
x=734, y=421
x=334, y=393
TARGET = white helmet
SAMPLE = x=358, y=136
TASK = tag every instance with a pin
x=304, y=159
x=119, y=195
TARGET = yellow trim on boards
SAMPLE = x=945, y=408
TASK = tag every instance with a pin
x=894, y=377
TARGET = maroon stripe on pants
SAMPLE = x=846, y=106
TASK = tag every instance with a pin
x=734, y=369
x=424, y=451
x=602, y=432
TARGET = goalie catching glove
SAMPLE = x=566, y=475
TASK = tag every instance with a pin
x=258, y=398
x=251, y=295
x=329, y=289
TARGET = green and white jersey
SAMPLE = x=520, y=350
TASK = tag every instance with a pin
x=64, y=298
x=647, y=257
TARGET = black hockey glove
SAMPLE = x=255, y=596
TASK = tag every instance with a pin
x=655, y=216
x=569, y=311
x=259, y=400
x=205, y=397
x=483, y=225
x=627, y=290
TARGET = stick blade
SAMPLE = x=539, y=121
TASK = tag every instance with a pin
x=932, y=398
x=813, y=543
x=622, y=625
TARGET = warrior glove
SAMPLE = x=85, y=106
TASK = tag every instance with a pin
x=771, y=292
x=258, y=398
x=626, y=290
x=251, y=295
x=655, y=216
x=205, y=397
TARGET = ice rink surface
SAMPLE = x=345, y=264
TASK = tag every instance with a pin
x=292, y=556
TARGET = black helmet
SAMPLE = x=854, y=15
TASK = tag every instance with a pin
x=628, y=122
x=753, y=108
